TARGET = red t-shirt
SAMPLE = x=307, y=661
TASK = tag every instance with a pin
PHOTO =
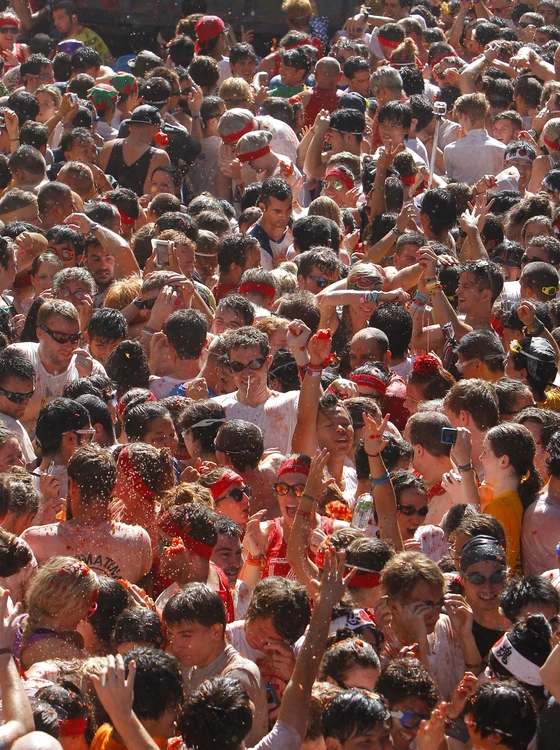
x=320, y=99
x=277, y=551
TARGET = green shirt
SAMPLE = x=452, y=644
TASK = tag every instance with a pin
x=93, y=40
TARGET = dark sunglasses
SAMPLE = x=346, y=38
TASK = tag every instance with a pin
x=526, y=259
x=254, y=364
x=15, y=397
x=62, y=338
x=146, y=304
x=281, y=488
x=477, y=579
x=237, y=494
x=509, y=262
x=8, y=30
x=410, y=510
x=409, y=719
x=321, y=281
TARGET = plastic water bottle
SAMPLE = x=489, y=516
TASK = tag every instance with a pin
x=363, y=512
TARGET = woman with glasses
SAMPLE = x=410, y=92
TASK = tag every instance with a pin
x=508, y=256
x=230, y=494
x=13, y=52
x=483, y=578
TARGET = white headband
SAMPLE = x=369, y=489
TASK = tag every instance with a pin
x=520, y=667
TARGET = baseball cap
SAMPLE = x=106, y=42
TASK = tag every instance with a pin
x=209, y=27
x=146, y=115
x=143, y=62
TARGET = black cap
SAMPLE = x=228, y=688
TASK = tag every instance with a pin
x=146, y=115
x=143, y=62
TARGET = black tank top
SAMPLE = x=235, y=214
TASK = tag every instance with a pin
x=130, y=176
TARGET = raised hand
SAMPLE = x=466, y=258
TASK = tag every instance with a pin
x=256, y=534
x=317, y=482
x=373, y=434
x=462, y=450
x=527, y=312
x=319, y=347
x=114, y=690
x=83, y=363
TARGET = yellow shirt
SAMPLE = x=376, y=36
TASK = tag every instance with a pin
x=93, y=40
x=551, y=399
x=507, y=508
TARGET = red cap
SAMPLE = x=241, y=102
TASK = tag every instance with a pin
x=209, y=27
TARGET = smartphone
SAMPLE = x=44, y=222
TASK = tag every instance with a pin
x=272, y=695
x=74, y=98
x=448, y=435
x=162, y=252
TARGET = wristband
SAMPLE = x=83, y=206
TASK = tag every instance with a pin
x=535, y=328
x=431, y=278
x=251, y=560
x=466, y=467
x=373, y=455
x=303, y=513
x=383, y=479
x=396, y=230
x=308, y=497
x=367, y=297
x=313, y=373
x=419, y=297
x=433, y=287
x=94, y=227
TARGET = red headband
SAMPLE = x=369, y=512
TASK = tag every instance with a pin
x=125, y=218
x=365, y=580
x=294, y=466
x=388, y=42
x=410, y=180
x=339, y=174
x=437, y=60
x=11, y=21
x=370, y=381
x=228, y=478
x=234, y=137
x=122, y=407
x=169, y=527
x=72, y=727
x=554, y=145
x=250, y=155
x=133, y=479
x=252, y=286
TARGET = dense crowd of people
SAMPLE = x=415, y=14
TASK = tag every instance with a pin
x=279, y=388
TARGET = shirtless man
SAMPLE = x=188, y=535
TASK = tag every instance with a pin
x=132, y=160
x=114, y=549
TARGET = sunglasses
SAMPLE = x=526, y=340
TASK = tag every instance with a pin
x=237, y=494
x=281, y=488
x=525, y=259
x=15, y=397
x=321, y=281
x=409, y=719
x=477, y=579
x=65, y=293
x=509, y=262
x=334, y=184
x=85, y=435
x=8, y=30
x=410, y=510
x=145, y=304
x=254, y=364
x=63, y=254
x=62, y=338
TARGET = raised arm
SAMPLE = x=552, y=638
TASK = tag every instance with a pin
x=294, y=709
x=125, y=262
x=18, y=718
x=305, y=433
x=382, y=487
x=313, y=165
x=306, y=570
x=442, y=308
x=115, y=691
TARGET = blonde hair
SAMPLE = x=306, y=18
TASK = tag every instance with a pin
x=297, y=8
x=551, y=130
x=407, y=569
x=406, y=53
x=60, y=307
x=185, y=493
x=271, y=324
x=362, y=272
x=325, y=206
x=62, y=586
x=121, y=293
x=235, y=92
x=52, y=91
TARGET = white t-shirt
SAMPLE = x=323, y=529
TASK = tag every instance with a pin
x=48, y=386
x=161, y=387
x=282, y=736
x=277, y=417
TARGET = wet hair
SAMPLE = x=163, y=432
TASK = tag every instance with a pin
x=485, y=346
x=138, y=625
x=525, y=591
x=477, y=397
x=482, y=524
x=158, y=685
x=285, y=370
x=344, y=656
x=407, y=678
x=137, y=417
x=199, y=411
x=396, y=324
x=516, y=442
x=112, y=599
x=94, y=471
x=286, y=603
x=425, y=430
x=506, y=709
x=197, y=603
x=57, y=417
x=127, y=366
x=107, y=324
x=405, y=570
x=353, y=713
x=440, y=207
x=14, y=553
